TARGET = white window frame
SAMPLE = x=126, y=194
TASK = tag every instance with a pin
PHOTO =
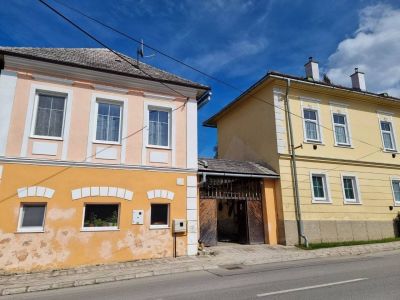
x=392, y=135
x=170, y=120
x=164, y=226
x=121, y=120
x=317, y=122
x=102, y=228
x=31, y=229
x=35, y=111
x=318, y=200
x=356, y=188
x=346, y=129
x=394, y=178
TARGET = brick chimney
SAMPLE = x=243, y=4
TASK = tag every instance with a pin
x=312, y=70
x=358, y=80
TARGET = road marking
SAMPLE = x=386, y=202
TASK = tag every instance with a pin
x=311, y=287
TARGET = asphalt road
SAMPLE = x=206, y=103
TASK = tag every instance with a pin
x=375, y=276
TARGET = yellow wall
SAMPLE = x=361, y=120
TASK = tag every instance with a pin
x=63, y=244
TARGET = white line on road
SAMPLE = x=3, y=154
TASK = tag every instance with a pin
x=311, y=287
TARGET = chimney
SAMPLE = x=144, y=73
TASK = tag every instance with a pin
x=312, y=70
x=358, y=80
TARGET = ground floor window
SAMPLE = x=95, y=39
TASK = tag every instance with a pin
x=396, y=191
x=159, y=216
x=319, y=188
x=101, y=217
x=31, y=217
x=350, y=189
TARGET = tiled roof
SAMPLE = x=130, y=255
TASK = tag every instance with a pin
x=100, y=59
x=235, y=167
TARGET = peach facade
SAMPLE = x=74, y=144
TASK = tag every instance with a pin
x=68, y=173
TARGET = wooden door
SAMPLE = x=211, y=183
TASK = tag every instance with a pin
x=255, y=222
x=208, y=222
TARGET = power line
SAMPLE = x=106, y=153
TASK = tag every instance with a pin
x=191, y=67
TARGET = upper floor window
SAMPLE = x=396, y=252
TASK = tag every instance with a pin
x=159, y=127
x=108, y=127
x=311, y=125
x=341, y=129
x=387, y=136
x=49, y=115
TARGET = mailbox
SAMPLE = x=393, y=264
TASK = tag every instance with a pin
x=179, y=225
x=137, y=217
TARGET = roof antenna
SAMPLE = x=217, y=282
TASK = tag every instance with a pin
x=140, y=52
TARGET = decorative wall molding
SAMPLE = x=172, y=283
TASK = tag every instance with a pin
x=102, y=191
x=35, y=191
x=160, y=194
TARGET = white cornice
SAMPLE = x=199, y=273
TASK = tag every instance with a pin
x=40, y=77
x=158, y=96
x=62, y=71
x=112, y=89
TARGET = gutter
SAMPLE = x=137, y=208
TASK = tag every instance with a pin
x=300, y=226
x=237, y=175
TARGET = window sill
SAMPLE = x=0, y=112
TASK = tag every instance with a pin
x=158, y=147
x=155, y=227
x=107, y=143
x=52, y=138
x=344, y=146
x=321, y=201
x=97, y=229
x=352, y=203
x=314, y=143
x=390, y=151
x=30, y=230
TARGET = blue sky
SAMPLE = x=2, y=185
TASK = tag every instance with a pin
x=237, y=41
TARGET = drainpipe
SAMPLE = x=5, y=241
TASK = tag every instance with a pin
x=300, y=227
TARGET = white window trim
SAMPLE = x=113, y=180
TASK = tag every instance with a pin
x=164, y=226
x=169, y=111
x=31, y=229
x=327, y=199
x=357, y=191
x=394, y=178
x=102, y=228
x=341, y=109
x=387, y=117
x=35, y=110
x=121, y=121
x=318, y=123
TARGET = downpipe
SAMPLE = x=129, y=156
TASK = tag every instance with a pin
x=300, y=226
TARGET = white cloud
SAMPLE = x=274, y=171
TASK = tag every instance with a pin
x=226, y=59
x=374, y=49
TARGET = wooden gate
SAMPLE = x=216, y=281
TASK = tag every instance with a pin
x=234, y=189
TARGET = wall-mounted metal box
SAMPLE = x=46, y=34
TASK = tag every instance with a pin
x=179, y=225
x=138, y=217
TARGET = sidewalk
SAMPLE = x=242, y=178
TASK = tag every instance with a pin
x=229, y=254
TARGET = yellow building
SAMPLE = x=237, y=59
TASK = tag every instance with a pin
x=342, y=153
x=98, y=159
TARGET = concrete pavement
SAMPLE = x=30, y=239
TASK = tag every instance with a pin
x=226, y=257
x=371, y=276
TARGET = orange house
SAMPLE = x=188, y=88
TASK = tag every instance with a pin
x=98, y=159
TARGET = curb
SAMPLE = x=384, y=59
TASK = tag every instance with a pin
x=84, y=282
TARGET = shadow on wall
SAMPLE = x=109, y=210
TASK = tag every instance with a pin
x=396, y=225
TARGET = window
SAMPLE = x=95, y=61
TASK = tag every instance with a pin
x=49, y=115
x=396, y=191
x=108, y=122
x=319, y=188
x=387, y=136
x=159, y=127
x=31, y=217
x=159, y=216
x=311, y=125
x=341, y=129
x=350, y=189
x=101, y=217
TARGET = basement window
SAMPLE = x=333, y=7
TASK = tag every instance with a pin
x=100, y=217
x=159, y=216
x=31, y=217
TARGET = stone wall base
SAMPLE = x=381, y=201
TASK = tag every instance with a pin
x=334, y=231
